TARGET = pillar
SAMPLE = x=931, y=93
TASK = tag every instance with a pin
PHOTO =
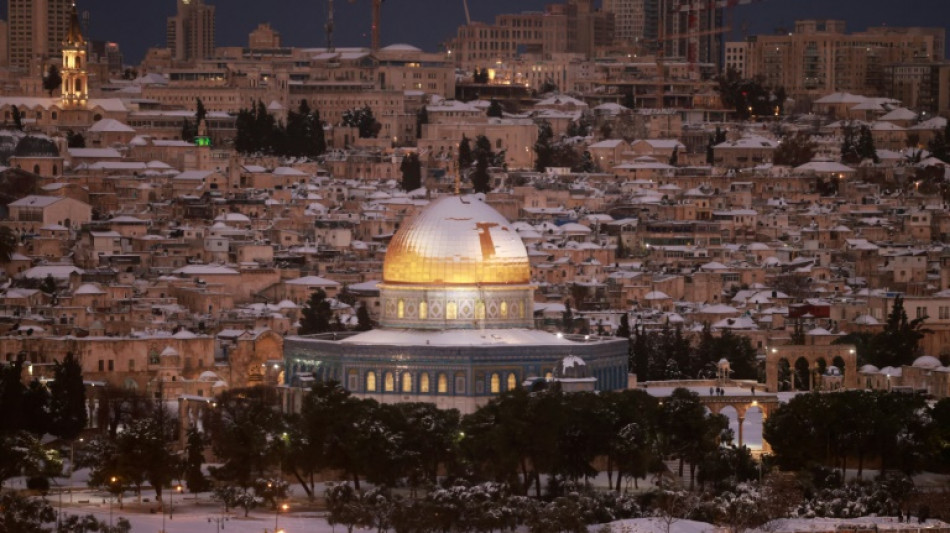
x=741, y=419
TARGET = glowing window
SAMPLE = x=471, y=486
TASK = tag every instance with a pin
x=443, y=384
x=389, y=382
x=423, y=310
x=548, y=375
x=495, y=384
x=406, y=382
x=504, y=309
x=512, y=382
x=400, y=309
x=451, y=309
x=371, y=381
x=480, y=311
x=424, y=383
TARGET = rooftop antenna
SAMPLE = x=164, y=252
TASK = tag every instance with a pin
x=329, y=25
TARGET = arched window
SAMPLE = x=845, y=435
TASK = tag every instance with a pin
x=479, y=310
x=495, y=384
x=451, y=311
x=371, y=381
x=406, y=382
x=353, y=380
x=512, y=381
x=460, y=383
x=36, y=169
x=503, y=309
x=423, y=310
x=400, y=309
x=389, y=382
x=55, y=171
x=443, y=384
x=424, y=383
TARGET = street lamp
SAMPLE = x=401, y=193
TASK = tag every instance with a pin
x=282, y=507
x=112, y=481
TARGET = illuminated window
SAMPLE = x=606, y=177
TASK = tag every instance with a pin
x=480, y=311
x=423, y=310
x=451, y=309
x=512, y=382
x=371, y=381
x=400, y=308
x=504, y=309
x=495, y=384
x=548, y=375
x=406, y=382
x=443, y=384
x=424, y=383
x=389, y=382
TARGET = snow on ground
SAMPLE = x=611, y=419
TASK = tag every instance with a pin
x=656, y=525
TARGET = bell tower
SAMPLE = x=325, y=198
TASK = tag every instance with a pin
x=75, y=76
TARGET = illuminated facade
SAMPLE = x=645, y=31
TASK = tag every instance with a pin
x=457, y=316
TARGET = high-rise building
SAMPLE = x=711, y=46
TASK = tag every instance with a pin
x=819, y=57
x=36, y=31
x=190, y=33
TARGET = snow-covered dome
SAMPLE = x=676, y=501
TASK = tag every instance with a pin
x=869, y=369
x=457, y=240
x=927, y=361
x=572, y=367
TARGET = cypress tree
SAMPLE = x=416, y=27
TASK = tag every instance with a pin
x=67, y=399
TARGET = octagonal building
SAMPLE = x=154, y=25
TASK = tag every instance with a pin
x=456, y=326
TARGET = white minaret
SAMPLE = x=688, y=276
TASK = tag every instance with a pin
x=75, y=77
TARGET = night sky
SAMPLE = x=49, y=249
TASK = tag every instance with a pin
x=139, y=24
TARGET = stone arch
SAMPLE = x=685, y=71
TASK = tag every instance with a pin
x=801, y=375
x=813, y=356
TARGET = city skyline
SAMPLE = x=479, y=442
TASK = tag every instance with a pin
x=300, y=23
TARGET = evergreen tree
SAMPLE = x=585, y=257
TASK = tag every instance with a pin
x=544, y=151
x=938, y=147
x=200, y=113
x=794, y=150
x=623, y=331
x=481, y=181
x=494, y=109
x=8, y=244
x=67, y=399
x=865, y=146
x=363, y=120
x=411, y=169
x=567, y=318
x=52, y=80
x=317, y=315
x=849, y=147
x=49, y=285
x=195, y=479
x=363, y=322
x=188, y=130
x=674, y=158
x=75, y=140
x=465, y=153
x=17, y=118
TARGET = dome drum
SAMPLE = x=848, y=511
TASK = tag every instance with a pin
x=433, y=307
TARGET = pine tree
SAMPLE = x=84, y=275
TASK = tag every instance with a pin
x=194, y=458
x=494, y=109
x=865, y=146
x=674, y=158
x=624, y=330
x=52, y=80
x=465, y=153
x=411, y=169
x=544, y=151
x=17, y=118
x=200, y=112
x=188, y=131
x=67, y=399
x=363, y=322
x=481, y=181
x=317, y=314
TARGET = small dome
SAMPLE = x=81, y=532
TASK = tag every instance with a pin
x=31, y=146
x=927, y=361
x=869, y=369
x=572, y=367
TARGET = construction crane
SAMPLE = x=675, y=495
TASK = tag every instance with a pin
x=468, y=16
x=329, y=26
x=376, y=19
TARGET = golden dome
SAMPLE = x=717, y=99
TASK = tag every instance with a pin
x=457, y=241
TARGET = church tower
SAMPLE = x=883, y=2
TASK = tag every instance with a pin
x=75, y=77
